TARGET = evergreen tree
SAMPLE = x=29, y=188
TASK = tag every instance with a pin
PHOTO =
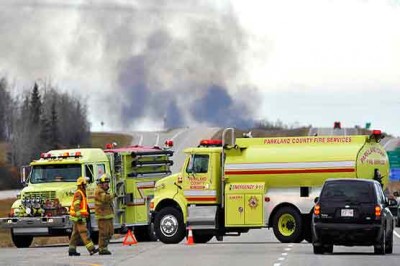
x=54, y=132
x=35, y=105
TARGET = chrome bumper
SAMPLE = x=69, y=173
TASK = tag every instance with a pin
x=56, y=222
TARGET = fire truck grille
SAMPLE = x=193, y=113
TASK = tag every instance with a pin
x=42, y=194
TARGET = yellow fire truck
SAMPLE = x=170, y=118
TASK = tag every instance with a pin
x=42, y=207
x=229, y=188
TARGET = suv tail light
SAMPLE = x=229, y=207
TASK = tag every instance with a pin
x=317, y=209
x=378, y=211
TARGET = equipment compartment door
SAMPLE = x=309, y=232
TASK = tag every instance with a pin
x=254, y=210
x=234, y=209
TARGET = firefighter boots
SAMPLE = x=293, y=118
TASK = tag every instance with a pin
x=93, y=251
x=104, y=252
x=73, y=253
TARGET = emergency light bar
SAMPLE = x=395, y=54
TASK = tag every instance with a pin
x=63, y=155
x=110, y=146
x=211, y=143
x=377, y=135
x=169, y=143
x=376, y=132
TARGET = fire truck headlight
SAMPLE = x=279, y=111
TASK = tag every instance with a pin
x=28, y=210
x=9, y=221
x=51, y=220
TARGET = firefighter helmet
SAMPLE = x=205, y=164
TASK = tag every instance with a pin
x=81, y=181
x=104, y=178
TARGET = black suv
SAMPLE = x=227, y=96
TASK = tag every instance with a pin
x=352, y=212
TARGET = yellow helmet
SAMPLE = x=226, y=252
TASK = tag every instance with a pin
x=81, y=181
x=104, y=178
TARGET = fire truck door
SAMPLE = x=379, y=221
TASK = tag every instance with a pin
x=197, y=180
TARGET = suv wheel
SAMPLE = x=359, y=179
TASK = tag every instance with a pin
x=380, y=248
x=318, y=249
x=329, y=248
x=389, y=244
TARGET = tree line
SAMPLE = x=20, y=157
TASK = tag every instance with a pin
x=37, y=120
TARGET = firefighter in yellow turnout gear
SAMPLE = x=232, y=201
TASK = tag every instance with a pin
x=79, y=212
x=104, y=213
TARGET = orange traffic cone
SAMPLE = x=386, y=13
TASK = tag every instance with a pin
x=129, y=239
x=190, y=240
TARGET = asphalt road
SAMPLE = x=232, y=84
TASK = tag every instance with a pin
x=258, y=247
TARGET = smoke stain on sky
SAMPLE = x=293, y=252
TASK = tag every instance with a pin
x=145, y=63
x=149, y=64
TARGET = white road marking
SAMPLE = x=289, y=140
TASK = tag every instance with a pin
x=396, y=234
x=178, y=133
x=284, y=254
x=141, y=140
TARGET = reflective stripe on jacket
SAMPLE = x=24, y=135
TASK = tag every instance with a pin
x=79, y=205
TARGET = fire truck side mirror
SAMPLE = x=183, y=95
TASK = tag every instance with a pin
x=24, y=174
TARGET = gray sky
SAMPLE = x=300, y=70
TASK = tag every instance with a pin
x=140, y=63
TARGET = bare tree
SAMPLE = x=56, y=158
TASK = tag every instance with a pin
x=5, y=110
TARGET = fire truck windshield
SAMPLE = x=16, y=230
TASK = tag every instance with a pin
x=55, y=173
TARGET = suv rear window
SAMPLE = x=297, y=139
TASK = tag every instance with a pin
x=354, y=191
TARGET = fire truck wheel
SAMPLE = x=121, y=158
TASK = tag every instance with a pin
x=145, y=233
x=200, y=238
x=169, y=226
x=21, y=241
x=287, y=225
